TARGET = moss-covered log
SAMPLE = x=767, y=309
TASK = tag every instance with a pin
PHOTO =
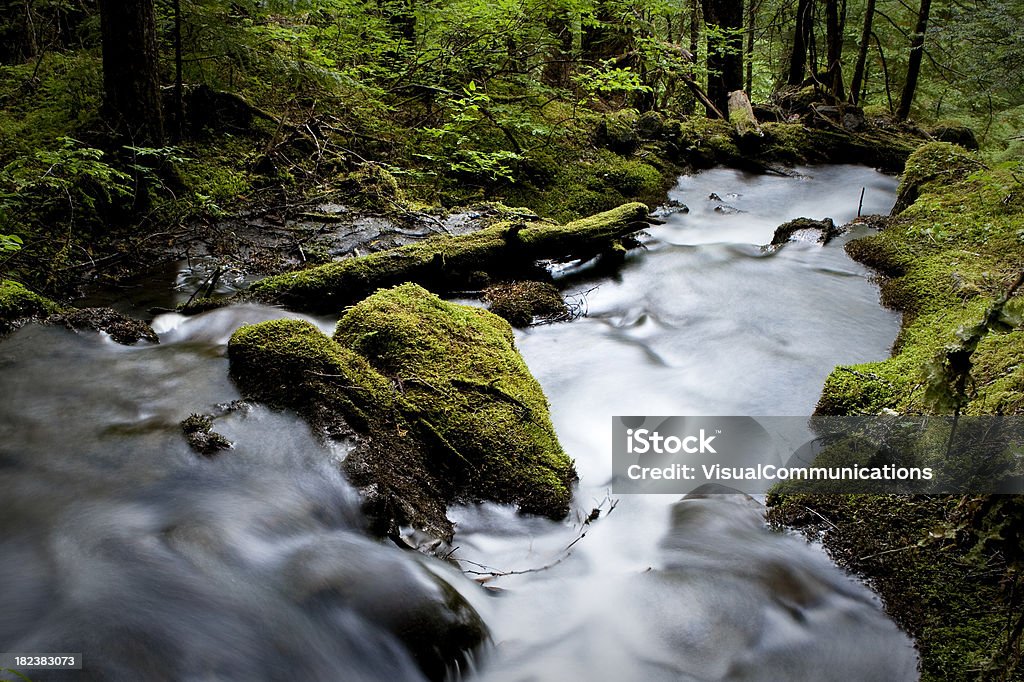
x=441, y=404
x=502, y=251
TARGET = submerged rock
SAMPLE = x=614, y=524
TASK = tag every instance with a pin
x=122, y=329
x=198, y=430
x=522, y=302
x=800, y=229
x=17, y=304
x=440, y=403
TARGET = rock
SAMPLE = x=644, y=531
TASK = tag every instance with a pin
x=198, y=430
x=799, y=229
x=122, y=329
x=467, y=391
x=670, y=207
x=436, y=395
x=521, y=302
x=955, y=134
x=17, y=304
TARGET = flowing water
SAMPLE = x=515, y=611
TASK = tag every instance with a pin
x=117, y=541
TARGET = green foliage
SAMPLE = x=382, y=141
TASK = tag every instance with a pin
x=68, y=184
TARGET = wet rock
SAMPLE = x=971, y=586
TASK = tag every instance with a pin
x=17, y=304
x=122, y=329
x=198, y=430
x=523, y=302
x=670, y=207
x=806, y=229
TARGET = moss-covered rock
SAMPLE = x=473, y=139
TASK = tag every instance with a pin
x=18, y=303
x=372, y=186
x=522, y=302
x=440, y=403
x=121, y=328
x=506, y=250
x=468, y=392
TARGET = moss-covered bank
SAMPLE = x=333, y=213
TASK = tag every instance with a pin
x=948, y=568
x=441, y=403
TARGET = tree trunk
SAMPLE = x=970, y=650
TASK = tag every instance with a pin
x=914, y=66
x=725, y=49
x=859, y=69
x=695, y=22
x=798, y=57
x=558, y=70
x=131, y=77
x=834, y=47
x=751, y=25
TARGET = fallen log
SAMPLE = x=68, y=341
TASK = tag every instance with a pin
x=505, y=250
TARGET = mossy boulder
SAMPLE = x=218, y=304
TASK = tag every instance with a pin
x=440, y=404
x=469, y=393
x=372, y=186
x=520, y=303
x=935, y=162
x=18, y=303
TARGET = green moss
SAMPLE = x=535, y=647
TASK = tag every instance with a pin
x=18, y=303
x=291, y=363
x=372, y=186
x=507, y=249
x=937, y=162
x=468, y=387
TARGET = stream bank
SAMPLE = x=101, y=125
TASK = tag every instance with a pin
x=948, y=567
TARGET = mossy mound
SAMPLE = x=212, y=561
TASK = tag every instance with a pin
x=121, y=328
x=291, y=363
x=435, y=394
x=372, y=186
x=520, y=303
x=468, y=390
x=506, y=250
x=17, y=304
x=936, y=162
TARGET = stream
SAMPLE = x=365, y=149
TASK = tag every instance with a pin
x=110, y=525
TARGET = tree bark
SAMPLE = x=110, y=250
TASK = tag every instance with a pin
x=798, y=57
x=558, y=70
x=751, y=25
x=914, y=65
x=859, y=69
x=131, y=77
x=725, y=50
x=834, y=47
